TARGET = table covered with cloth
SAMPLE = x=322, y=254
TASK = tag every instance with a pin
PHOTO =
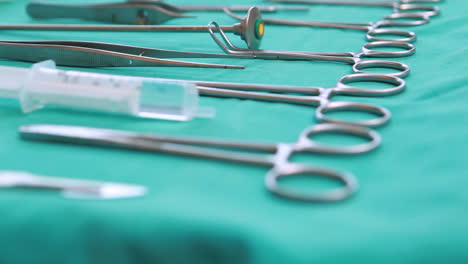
x=412, y=205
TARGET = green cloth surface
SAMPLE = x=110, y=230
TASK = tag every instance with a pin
x=412, y=206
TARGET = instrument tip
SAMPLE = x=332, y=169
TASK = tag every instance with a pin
x=239, y=67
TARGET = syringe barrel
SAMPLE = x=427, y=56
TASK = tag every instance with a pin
x=142, y=97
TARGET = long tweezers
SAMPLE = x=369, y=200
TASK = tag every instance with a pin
x=98, y=54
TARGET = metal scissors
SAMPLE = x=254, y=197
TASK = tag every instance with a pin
x=142, y=12
x=318, y=97
x=240, y=152
x=71, y=188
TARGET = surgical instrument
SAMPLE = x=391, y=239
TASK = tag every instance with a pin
x=238, y=152
x=96, y=54
x=310, y=96
x=373, y=30
x=355, y=59
x=71, y=188
x=251, y=29
x=43, y=84
x=315, y=96
x=398, y=6
x=132, y=12
x=34, y=95
x=402, y=10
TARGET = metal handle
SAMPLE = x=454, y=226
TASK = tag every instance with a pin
x=308, y=144
x=284, y=169
x=376, y=35
x=415, y=20
x=344, y=85
x=383, y=114
x=272, y=183
x=408, y=49
x=425, y=10
x=404, y=69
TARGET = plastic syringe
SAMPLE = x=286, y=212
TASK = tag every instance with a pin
x=43, y=85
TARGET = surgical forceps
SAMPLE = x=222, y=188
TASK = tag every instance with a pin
x=238, y=152
x=96, y=54
x=71, y=188
x=143, y=12
x=314, y=96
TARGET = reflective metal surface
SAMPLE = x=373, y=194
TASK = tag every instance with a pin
x=277, y=154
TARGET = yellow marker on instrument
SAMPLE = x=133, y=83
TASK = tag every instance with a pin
x=259, y=28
